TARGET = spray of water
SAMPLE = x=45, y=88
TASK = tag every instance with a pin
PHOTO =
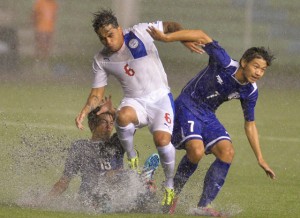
x=40, y=157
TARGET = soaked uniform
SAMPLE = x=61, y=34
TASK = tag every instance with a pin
x=196, y=105
x=92, y=160
x=138, y=68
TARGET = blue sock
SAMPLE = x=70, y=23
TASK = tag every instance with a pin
x=185, y=169
x=213, y=182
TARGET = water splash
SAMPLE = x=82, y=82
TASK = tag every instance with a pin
x=40, y=157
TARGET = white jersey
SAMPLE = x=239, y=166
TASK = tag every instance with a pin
x=136, y=65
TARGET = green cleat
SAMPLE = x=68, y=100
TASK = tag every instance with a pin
x=168, y=197
x=133, y=163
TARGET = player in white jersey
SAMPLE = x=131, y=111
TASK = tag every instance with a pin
x=196, y=127
x=131, y=56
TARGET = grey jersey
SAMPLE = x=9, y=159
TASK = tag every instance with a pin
x=91, y=160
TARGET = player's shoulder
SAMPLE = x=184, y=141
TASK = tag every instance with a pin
x=80, y=143
x=137, y=27
x=115, y=142
x=114, y=139
x=250, y=91
x=141, y=28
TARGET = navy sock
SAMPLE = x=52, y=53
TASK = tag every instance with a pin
x=185, y=169
x=213, y=182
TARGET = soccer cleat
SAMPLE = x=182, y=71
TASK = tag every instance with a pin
x=206, y=211
x=133, y=163
x=150, y=165
x=167, y=200
x=168, y=196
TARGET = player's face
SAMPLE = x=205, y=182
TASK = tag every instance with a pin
x=254, y=70
x=111, y=37
x=105, y=125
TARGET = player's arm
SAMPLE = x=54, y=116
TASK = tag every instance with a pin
x=252, y=135
x=191, y=38
x=170, y=27
x=182, y=35
x=59, y=187
x=93, y=101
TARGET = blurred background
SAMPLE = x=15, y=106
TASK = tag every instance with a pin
x=236, y=24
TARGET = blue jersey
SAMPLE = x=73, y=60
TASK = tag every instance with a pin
x=217, y=83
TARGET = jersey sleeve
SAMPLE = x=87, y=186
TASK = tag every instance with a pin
x=100, y=79
x=248, y=106
x=72, y=162
x=142, y=28
x=217, y=55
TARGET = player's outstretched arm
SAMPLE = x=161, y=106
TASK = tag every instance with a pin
x=191, y=38
x=93, y=101
x=59, y=187
x=252, y=135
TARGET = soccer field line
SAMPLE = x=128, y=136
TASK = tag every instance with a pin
x=73, y=127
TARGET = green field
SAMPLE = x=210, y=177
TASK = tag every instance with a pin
x=44, y=113
x=38, y=106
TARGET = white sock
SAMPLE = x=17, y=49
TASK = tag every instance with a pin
x=125, y=135
x=167, y=157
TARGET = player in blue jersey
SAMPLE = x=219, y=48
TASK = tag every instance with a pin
x=130, y=55
x=196, y=127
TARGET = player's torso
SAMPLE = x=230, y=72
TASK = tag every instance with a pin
x=136, y=65
x=215, y=85
x=96, y=160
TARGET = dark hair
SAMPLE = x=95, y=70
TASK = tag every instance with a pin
x=93, y=118
x=258, y=52
x=104, y=18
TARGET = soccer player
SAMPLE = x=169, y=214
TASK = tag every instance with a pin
x=99, y=162
x=196, y=127
x=131, y=56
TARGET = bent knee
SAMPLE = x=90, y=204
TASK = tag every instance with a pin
x=125, y=116
x=161, y=138
x=195, y=150
x=224, y=152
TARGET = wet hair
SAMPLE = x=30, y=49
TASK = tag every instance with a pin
x=94, y=119
x=104, y=18
x=258, y=52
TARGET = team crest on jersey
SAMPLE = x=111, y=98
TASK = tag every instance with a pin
x=133, y=43
x=234, y=95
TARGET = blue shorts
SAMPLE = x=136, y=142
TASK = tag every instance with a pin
x=200, y=124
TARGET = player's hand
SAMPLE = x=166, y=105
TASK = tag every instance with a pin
x=79, y=119
x=106, y=106
x=156, y=34
x=267, y=169
x=194, y=47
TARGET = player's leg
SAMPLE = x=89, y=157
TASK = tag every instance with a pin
x=188, y=163
x=161, y=118
x=166, y=153
x=216, y=174
x=187, y=135
x=125, y=126
x=167, y=156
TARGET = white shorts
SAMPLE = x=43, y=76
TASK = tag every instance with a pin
x=155, y=110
